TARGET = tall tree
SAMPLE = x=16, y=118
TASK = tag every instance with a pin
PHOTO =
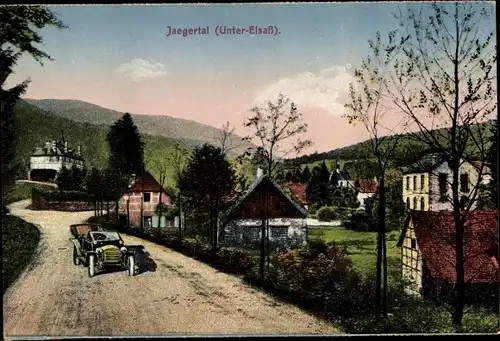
x=274, y=126
x=439, y=72
x=305, y=176
x=126, y=154
x=19, y=26
x=325, y=172
x=208, y=183
x=368, y=106
x=65, y=179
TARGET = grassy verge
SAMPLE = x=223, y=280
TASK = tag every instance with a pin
x=22, y=191
x=361, y=246
x=19, y=242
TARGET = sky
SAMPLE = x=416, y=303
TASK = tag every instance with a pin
x=120, y=57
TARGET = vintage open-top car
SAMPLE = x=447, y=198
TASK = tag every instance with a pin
x=99, y=249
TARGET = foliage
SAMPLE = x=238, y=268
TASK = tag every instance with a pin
x=360, y=222
x=62, y=195
x=395, y=209
x=327, y=213
x=344, y=197
x=208, y=184
x=19, y=242
x=22, y=191
x=126, y=155
x=493, y=161
x=64, y=179
x=18, y=34
x=318, y=190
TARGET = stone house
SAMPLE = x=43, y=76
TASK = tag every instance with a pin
x=141, y=201
x=241, y=225
x=428, y=256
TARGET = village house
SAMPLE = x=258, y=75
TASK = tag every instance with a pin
x=365, y=188
x=427, y=182
x=46, y=162
x=428, y=251
x=141, y=201
x=297, y=192
x=241, y=225
x=340, y=178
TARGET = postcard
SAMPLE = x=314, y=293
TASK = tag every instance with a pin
x=249, y=169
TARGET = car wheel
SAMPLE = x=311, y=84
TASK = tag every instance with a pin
x=91, y=265
x=76, y=260
x=131, y=265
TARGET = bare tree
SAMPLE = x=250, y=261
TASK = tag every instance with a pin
x=442, y=79
x=274, y=125
x=368, y=108
x=223, y=141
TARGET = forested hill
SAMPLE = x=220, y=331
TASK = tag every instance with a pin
x=408, y=150
x=34, y=126
x=187, y=131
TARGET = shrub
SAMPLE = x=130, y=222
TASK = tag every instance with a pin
x=360, y=222
x=58, y=195
x=318, y=276
x=326, y=213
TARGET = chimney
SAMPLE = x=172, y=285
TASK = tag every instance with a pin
x=79, y=150
x=54, y=145
x=259, y=173
x=65, y=146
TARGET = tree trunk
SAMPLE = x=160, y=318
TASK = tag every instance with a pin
x=160, y=211
x=180, y=214
x=216, y=223
x=107, y=210
x=378, y=283
x=128, y=213
x=382, y=205
x=459, y=246
x=263, y=233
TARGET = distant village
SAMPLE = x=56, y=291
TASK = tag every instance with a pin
x=424, y=235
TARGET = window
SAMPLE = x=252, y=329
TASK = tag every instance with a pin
x=414, y=182
x=252, y=233
x=408, y=203
x=443, y=186
x=464, y=183
x=413, y=243
x=414, y=203
x=422, y=204
x=147, y=197
x=147, y=222
x=407, y=183
x=422, y=181
x=279, y=231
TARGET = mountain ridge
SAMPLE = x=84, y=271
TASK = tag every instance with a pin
x=187, y=131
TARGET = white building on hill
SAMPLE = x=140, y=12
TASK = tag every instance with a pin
x=46, y=162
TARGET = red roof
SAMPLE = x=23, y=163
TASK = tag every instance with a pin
x=435, y=233
x=145, y=183
x=366, y=186
x=298, y=192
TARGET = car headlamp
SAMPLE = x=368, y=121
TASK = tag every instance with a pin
x=98, y=250
x=123, y=249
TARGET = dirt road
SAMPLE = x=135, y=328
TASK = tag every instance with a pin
x=171, y=293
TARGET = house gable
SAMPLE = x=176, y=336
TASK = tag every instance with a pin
x=145, y=183
x=251, y=203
